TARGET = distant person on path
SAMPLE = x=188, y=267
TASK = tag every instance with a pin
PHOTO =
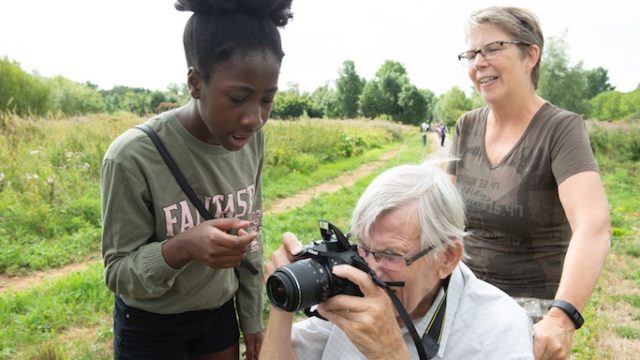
x=424, y=130
x=442, y=132
x=176, y=276
x=408, y=226
x=537, y=213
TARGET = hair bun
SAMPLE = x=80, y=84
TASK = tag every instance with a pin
x=197, y=6
x=277, y=11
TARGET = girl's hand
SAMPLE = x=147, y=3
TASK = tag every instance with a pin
x=210, y=243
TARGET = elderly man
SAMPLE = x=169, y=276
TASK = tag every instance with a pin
x=408, y=226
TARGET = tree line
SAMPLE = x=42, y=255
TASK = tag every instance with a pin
x=389, y=95
x=31, y=94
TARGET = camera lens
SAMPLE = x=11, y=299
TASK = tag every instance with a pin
x=299, y=285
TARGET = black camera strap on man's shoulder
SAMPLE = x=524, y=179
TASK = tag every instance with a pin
x=182, y=181
x=433, y=334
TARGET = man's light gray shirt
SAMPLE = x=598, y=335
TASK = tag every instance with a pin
x=481, y=322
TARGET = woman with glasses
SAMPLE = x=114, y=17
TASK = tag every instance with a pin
x=537, y=213
x=408, y=226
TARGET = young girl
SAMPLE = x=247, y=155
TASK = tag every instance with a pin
x=176, y=276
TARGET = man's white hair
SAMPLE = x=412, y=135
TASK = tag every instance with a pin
x=439, y=210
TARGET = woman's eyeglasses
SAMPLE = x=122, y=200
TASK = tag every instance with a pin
x=489, y=51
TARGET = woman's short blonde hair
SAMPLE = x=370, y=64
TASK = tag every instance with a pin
x=521, y=24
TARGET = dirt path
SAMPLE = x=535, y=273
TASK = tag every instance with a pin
x=18, y=283
x=345, y=180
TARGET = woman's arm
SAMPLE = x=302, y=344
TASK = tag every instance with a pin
x=585, y=204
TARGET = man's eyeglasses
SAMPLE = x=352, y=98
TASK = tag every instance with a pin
x=390, y=260
x=489, y=51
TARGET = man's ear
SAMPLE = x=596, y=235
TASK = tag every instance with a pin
x=452, y=256
x=194, y=81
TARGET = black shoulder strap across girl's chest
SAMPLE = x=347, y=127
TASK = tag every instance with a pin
x=182, y=181
x=175, y=170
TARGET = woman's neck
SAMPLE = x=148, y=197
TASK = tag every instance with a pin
x=516, y=111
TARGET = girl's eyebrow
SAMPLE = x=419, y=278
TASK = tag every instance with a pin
x=244, y=87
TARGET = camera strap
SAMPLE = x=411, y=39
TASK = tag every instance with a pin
x=433, y=333
x=182, y=181
x=428, y=345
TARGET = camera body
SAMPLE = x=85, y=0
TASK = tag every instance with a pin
x=309, y=279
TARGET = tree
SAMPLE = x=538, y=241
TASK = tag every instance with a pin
x=324, y=99
x=476, y=100
x=136, y=100
x=597, y=82
x=373, y=103
x=381, y=96
x=391, y=67
x=615, y=105
x=413, y=105
x=73, y=98
x=451, y=105
x=393, y=77
x=430, y=98
x=606, y=106
x=21, y=92
x=288, y=104
x=348, y=89
x=560, y=83
x=178, y=94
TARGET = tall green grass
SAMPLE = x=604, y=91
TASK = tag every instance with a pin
x=618, y=153
x=616, y=144
x=49, y=198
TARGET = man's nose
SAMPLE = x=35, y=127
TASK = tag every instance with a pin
x=375, y=265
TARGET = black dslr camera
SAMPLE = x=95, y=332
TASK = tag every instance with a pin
x=309, y=280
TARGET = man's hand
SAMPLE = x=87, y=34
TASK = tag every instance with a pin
x=368, y=321
x=553, y=336
x=283, y=255
x=253, y=343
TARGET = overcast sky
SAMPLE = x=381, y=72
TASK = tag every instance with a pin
x=138, y=43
